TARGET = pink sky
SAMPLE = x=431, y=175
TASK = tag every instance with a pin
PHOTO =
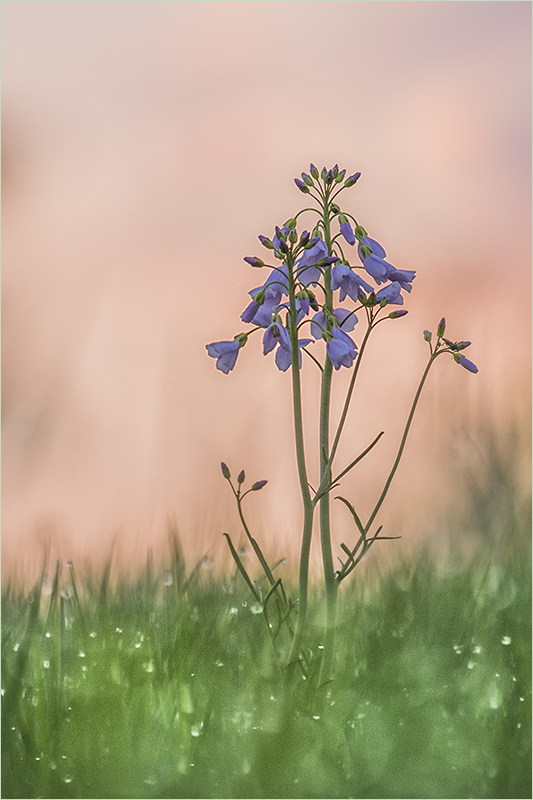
x=145, y=146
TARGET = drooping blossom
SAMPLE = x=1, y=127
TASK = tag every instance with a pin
x=225, y=353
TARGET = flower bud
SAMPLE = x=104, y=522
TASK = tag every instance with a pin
x=427, y=336
x=225, y=471
x=329, y=176
x=313, y=170
x=241, y=477
x=441, y=327
x=323, y=173
x=340, y=176
x=304, y=238
x=335, y=170
x=462, y=345
x=258, y=485
x=290, y=224
x=293, y=236
x=400, y=313
x=352, y=179
x=283, y=246
x=307, y=179
x=464, y=362
x=325, y=262
x=265, y=241
x=253, y=261
x=335, y=208
x=301, y=186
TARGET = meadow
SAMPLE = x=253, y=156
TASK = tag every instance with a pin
x=167, y=685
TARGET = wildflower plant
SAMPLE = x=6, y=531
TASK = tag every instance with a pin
x=313, y=302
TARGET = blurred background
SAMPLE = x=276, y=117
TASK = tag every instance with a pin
x=145, y=145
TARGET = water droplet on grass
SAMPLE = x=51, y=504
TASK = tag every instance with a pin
x=506, y=640
x=316, y=716
x=68, y=779
x=46, y=664
x=16, y=647
x=92, y=634
x=48, y=634
x=256, y=608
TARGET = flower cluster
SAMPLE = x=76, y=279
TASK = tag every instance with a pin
x=312, y=267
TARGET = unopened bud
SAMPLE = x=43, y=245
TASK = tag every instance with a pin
x=253, y=261
x=290, y=224
x=304, y=238
x=441, y=327
x=323, y=173
x=293, y=236
x=258, y=485
x=340, y=176
x=225, y=471
x=301, y=186
x=241, y=477
x=307, y=179
x=265, y=241
x=400, y=313
x=352, y=179
x=427, y=336
x=313, y=170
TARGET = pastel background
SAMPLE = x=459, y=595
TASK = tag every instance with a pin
x=145, y=145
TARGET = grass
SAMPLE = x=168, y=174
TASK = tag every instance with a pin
x=168, y=686
x=152, y=690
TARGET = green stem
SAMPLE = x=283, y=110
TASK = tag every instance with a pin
x=324, y=483
x=303, y=580
x=326, y=667
x=402, y=443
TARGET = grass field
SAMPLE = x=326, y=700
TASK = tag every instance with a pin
x=168, y=686
x=160, y=689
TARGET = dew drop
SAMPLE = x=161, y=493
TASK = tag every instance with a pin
x=506, y=640
x=16, y=647
x=256, y=608
x=46, y=664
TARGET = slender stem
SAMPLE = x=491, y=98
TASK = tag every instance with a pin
x=326, y=667
x=324, y=482
x=402, y=443
x=303, y=581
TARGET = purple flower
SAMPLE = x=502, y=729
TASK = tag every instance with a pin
x=269, y=295
x=404, y=277
x=309, y=259
x=341, y=349
x=346, y=230
x=464, y=362
x=346, y=319
x=392, y=293
x=276, y=333
x=284, y=357
x=374, y=263
x=225, y=353
x=348, y=282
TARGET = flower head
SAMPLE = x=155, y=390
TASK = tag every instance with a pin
x=341, y=349
x=343, y=278
x=372, y=256
x=225, y=353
